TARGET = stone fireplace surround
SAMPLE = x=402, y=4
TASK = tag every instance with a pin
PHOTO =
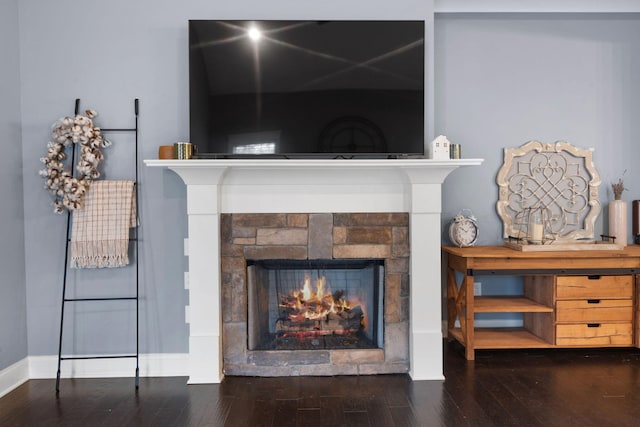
x=312, y=236
x=216, y=187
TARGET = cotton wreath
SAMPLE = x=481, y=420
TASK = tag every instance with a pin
x=68, y=191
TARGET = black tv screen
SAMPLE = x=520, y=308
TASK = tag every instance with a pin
x=306, y=88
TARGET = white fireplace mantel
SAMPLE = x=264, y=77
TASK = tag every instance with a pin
x=313, y=186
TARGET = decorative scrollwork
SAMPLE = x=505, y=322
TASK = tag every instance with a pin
x=559, y=178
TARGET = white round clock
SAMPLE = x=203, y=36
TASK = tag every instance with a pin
x=463, y=230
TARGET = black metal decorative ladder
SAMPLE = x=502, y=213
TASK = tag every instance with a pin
x=134, y=239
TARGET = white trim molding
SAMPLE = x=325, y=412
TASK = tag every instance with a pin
x=13, y=376
x=151, y=365
x=45, y=367
x=539, y=6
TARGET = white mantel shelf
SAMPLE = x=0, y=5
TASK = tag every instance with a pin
x=422, y=170
x=313, y=163
x=313, y=186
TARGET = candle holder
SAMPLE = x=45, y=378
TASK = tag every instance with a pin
x=534, y=225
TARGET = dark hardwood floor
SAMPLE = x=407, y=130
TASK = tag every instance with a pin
x=502, y=388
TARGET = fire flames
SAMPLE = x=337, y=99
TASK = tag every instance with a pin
x=314, y=304
x=313, y=314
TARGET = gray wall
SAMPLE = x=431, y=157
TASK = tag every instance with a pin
x=108, y=53
x=13, y=325
x=504, y=79
x=501, y=80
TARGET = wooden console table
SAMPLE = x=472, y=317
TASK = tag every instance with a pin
x=570, y=298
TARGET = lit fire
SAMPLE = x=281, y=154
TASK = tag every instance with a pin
x=310, y=304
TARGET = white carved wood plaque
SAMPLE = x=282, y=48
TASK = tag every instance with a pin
x=559, y=178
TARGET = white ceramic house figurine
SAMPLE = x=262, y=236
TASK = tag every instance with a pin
x=440, y=148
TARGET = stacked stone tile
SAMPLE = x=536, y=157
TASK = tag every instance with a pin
x=315, y=236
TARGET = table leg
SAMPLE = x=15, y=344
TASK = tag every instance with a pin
x=636, y=317
x=452, y=298
x=468, y=331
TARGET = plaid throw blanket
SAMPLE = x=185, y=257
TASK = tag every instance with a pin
x=100, y=229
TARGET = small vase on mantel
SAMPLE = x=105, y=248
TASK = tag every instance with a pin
x=618, y=215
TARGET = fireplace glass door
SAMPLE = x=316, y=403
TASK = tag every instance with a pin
x=315, y=304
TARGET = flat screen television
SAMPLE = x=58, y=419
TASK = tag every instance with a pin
x=306, y=88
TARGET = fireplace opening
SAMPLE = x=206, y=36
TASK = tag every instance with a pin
x=315, y=304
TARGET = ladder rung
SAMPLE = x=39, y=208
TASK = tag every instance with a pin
x=118, y=130
x=100, y=299
x=132, y=239
x=119, y=356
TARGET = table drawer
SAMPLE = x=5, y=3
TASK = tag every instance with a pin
x=594, y=286
x=594, y=334
x=594, y=310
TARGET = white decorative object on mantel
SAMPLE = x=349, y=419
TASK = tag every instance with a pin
x=290, y=186
x=440, y=148
x=557, y=178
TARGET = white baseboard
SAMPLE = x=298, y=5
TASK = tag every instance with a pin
x=151, y=365
x=45, y=367
x=13, y=376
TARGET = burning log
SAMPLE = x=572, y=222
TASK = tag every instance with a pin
x=307, y=313
x=345, y=322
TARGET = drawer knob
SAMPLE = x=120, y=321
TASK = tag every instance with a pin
x=593, y=301
x=593, y=325
x=594, y=277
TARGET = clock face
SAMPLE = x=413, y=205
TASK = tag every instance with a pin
x=463, y=231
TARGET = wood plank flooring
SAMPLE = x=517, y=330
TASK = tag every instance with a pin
x=550, y=387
